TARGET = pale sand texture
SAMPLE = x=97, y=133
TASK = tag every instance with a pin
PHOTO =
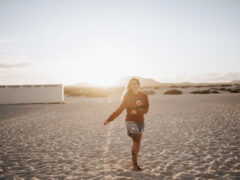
x=186, y=137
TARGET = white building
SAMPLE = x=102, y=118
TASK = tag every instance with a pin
x=18, y=94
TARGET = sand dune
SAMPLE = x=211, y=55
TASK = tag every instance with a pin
x=186, y=137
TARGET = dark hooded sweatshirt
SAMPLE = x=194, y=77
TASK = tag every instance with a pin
x=138, y=101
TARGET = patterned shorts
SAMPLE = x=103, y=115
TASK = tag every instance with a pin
x=134, y=127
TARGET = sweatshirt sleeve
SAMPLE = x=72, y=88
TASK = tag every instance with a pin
x=118, y=111
x=146, y=107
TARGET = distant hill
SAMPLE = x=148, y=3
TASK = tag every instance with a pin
x=84, y=84
x=148, y=82
x=144, y=82
x=236, y=81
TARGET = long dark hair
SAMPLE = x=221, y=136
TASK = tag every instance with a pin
x=128, y=91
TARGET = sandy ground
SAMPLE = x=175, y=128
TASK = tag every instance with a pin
x=186, y=137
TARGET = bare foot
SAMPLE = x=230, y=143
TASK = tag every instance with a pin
x=140, y=169
x=136, y=168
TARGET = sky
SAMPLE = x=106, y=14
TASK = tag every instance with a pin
x=101, y=41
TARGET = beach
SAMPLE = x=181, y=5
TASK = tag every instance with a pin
x=187, y=136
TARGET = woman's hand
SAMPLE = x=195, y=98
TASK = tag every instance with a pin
x=133, y=112
x=105, y=123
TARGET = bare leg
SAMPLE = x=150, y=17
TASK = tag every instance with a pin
x=136, y=137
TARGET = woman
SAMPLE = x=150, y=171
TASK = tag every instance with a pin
x=136, y=103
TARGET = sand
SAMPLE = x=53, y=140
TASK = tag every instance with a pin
x=186, y=137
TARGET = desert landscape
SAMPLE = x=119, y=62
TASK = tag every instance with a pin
x=64, y=66
x=187, y=136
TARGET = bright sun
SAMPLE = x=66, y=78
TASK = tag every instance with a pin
x=104, y=80
x=101, y=73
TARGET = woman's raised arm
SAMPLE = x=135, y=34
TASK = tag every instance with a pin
x=117, y=112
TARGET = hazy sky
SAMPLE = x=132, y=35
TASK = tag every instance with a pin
x=52, y=41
